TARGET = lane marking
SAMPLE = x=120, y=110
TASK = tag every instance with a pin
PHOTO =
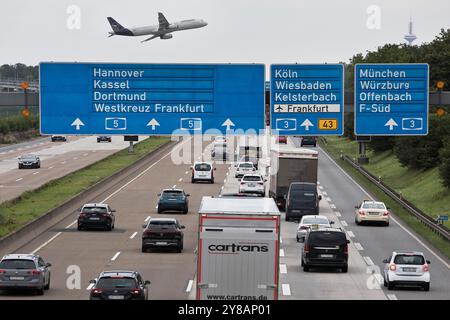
x=90, y=286
x=328, y=199
x=70, y=225
x=392, y=297
x=19, y=149
x=222, y=188
x=186, y=172
x=368, y=261
x=189, y=286
x=332, y=206
x=281, y=240
x=358, y=246
x=181, y=179
x=133, y=235
x=344, y=223
x=283, y=268
x=1, y=186
x=281, y=252
x=19, y=179
x=318, y=182
x=86, y=154
x=75, y=158
x=392, y=218
x=324, y=193
x=64, y=162
x=36, y=173
x=46, y=243
x=51, y=167
x=115, y=256
x=350, y=234
x=224, y=181
x=338, y=214
x=148, y=218
x=286, y=288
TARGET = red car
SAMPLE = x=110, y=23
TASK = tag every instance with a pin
x=282, y=139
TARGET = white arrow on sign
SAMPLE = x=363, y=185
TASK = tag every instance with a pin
x=153, y=123
x=306, y=124
x=77, y=123
x=391, y=123
x=228, y=123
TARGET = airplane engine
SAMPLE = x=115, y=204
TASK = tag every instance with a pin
x=166, y=36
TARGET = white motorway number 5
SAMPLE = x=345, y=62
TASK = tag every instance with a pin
x=115, y=123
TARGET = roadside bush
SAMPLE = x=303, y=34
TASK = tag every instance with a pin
x=18, y=124
x=379, y=144
x=444, y=169
x=349, y=125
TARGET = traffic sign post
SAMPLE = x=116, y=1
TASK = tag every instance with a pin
x=391, y=99
x=151, y=99
x=307, y=99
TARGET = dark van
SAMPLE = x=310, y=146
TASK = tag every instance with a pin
x=325, y=247
x=302, y=199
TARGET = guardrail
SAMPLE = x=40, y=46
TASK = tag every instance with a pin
x=442, y=230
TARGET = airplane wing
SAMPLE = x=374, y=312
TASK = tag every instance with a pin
x=152, y=37
x=163, y=23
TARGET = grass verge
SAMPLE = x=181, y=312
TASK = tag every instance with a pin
x=334, y=148
x=33, y=204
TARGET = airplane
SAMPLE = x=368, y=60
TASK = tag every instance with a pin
x=163, y=30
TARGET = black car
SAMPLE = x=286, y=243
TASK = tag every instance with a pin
x=119, y=285
x=302, y=199
x=173, y=200
x=29, y=161
x=162, y=233
x=103, y=139
x=325, y=247
x=59, y=138
x=308, y=141
x=96, y=215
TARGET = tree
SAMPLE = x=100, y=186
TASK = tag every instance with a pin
x=444, y=169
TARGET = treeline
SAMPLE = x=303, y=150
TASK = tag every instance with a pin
x=18, y=123
x=19, y=71
x=415, y=152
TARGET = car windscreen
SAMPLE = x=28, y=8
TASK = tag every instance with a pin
x=173, y=193
x=371, y=205
x=409, y=259
x=202, y=167
x=315, y=221
x=17, y=264
x=326, y=238
x=28, y=158
x=245, y=165
x=303, y=195
x=116, y=283
x=251, y=178
x=162, y=224
x=89, y=210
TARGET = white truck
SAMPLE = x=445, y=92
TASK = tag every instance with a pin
x=290, y=164
x=238, y=249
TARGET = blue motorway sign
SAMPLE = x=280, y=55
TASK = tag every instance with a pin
x=307, y=99
x=391, y=99
x=150, y=99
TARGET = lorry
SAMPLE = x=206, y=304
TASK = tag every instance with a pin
x=290, y=164
x=238, y=249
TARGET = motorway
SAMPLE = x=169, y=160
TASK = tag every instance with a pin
x=173, y=275
x=57, y=160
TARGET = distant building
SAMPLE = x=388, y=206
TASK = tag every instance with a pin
x=410, y=37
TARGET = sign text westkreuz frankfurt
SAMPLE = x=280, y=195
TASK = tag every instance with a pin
x=151, y=99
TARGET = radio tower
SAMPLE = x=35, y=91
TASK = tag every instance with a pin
x=410, y=37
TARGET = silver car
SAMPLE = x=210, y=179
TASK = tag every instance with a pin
x=24, y=271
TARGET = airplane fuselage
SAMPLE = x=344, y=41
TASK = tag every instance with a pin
x=154, y=29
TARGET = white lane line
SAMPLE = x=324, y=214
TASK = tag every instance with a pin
x=18, y=179
x=318, y=182
x=1, y=186
x=148, y=218
x=90, y=286
x=46, y=242
x=36, y=173
x=133, y=235
x=281, y=252
x=351, y=234
x=392, y=218
x=85, y=154
x=181, y=179
x=41, y=143
x=344, y=223
x=51, y=167
x=283, y=268
x=75, y=158
x=19, y=149
x=224, y=181
x=324, y=193
x=281, y=240
x=186, y=172
x=286, y=288
x=64, y=162
x=338, y=214
x=392, y=297
x=11, y=151
x=27, y=147
x=115, y=256
x=332, y=206
x=328, y=199
x=189, y=286
x=358, y=246
x=368, y=261
x=71, y=224
x=222, y=187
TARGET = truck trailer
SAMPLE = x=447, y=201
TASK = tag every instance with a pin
x=238, y=249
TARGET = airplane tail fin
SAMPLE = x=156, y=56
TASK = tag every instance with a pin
x=117, y=27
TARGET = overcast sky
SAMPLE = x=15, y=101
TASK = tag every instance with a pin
x=263, y=31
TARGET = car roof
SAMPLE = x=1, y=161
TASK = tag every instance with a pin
x=245, y=162
x=163, y=219
x=29, y=156
x=372, y=201
x=252, y=175
x=327, y=229
x=120, y=273
x=408, y=253
x=101, y=205
x=19, y=256
x=171, y=189
x=314, y=216
x=202, y=162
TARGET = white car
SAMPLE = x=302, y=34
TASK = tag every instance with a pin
x=202, y=171
x=219, y=149
x=243, y=168
x=407, y=269
x=372, y=211
x=252, y=183
x=311, y=220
